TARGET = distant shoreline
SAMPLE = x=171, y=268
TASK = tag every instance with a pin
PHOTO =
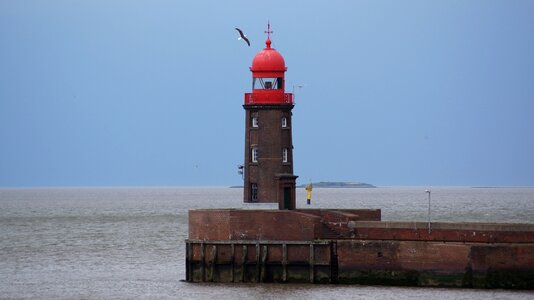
x=338, y=184
x=330, y=184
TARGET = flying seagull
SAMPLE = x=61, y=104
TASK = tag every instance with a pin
x=242, y=36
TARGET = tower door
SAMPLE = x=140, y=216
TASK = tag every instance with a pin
x=287, y=197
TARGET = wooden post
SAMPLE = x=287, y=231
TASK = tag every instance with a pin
x=189, y=259
x=284, y=262
x=257, y=262
x=244, y=262
x=333, y=262
x=312, y=264
x=263, y=260
x=232, y=259
x=202, y=263
x=213, y=261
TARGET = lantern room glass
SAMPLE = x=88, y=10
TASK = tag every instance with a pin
x=267, y=83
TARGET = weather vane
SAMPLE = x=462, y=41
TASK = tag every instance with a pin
x=269, y=31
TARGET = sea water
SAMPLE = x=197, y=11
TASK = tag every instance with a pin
x=123, y=243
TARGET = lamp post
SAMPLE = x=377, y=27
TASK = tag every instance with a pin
x=240, y=169
x=429, y=228
x=296, y=86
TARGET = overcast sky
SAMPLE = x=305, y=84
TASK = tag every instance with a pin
x=144, y=93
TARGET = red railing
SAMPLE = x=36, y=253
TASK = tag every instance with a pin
x=264, y=98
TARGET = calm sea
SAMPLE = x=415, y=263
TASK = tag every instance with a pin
x=122, y=243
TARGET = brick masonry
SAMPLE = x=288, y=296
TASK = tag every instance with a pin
x=426, y=263
x=365, y=250
x=270, y=138
x=236, y=224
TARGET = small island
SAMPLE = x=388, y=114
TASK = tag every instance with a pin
x=337, y=184
x=328, y=184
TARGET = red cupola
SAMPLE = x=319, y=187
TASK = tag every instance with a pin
x=268, y=60
x=268, y=68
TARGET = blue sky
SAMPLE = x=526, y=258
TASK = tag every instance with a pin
x=142, y=93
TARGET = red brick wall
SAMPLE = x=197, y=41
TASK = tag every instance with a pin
x=210, y=224
x=453, y=254
x=447, y=232
x=511, y=257
x=269, y=138
x=338, y=215
x=444, y=258
x=252, y=225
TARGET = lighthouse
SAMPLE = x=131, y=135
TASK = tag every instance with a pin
x=268, y=166
x=327, y=245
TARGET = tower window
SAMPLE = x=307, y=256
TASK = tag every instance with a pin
x=284, y=155
x=254, y=192
x=284, y=122
x=254, y=154
x=254, y=121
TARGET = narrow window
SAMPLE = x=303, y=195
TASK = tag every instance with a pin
x=284, y=155
x=254, y=192
x=254, y=121
x=284, y=122
x=254, y=154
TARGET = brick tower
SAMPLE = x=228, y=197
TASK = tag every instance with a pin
x=268, y=168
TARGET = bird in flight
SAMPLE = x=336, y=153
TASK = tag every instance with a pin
x=242, y=36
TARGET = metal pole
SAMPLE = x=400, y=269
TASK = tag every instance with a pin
x=429, y=228
x=294, y=95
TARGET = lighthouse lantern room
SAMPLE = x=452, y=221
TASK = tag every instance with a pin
x=268, y=167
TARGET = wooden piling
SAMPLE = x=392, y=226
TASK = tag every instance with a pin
x=312, y=264
x=284, y=262
x=244, y=262
x=232, y=262
x=257, y=262
x=263, y=261
x=206, y=268
x=213, y=261
x=202, y=263
x=188, y=262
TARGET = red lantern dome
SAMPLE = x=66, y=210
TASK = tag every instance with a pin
x=267, y=60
